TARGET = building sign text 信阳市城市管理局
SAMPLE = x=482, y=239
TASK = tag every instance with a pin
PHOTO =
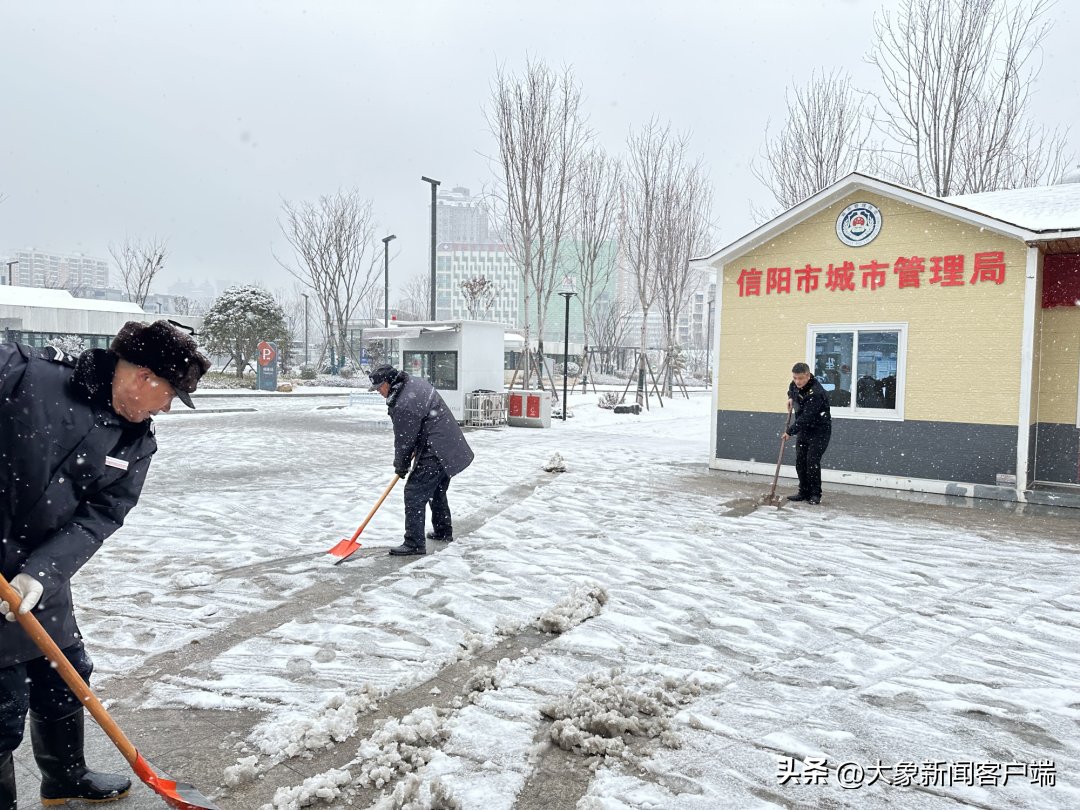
x=909, y=271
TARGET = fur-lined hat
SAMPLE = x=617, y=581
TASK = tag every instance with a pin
x=383, y=374
x=167, y=351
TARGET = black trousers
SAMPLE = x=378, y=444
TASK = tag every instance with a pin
x=36, y=686
x=427, y=484
x=809, y=449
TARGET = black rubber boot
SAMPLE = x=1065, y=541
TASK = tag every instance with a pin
x=408, y=550
x=437, y=538
x=7, y=782
x=58, y=749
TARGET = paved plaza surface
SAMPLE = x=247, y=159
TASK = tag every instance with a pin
x=630, y=633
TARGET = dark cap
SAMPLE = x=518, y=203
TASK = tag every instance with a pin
x=170, y=353
x=383, y=374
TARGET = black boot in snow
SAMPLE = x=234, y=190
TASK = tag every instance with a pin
x=58, y=749
x=406, y=549
x=7, y=782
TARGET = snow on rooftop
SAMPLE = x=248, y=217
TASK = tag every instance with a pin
x=1041, y=208
x=13, y=295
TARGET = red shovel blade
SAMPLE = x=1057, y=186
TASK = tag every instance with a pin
x=180, y=795
x=344, y=548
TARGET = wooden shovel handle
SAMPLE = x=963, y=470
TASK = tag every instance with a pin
x=375, y=508
x=72, y=678
x=780, y=458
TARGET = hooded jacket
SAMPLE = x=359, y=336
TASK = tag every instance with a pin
x=424, y=425
x=70, y=470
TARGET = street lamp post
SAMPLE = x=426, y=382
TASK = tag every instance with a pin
x=11, y=272
x=306, y=344
x=386, y=277
x=708, y=345
x=567, y=293
x=434, y=186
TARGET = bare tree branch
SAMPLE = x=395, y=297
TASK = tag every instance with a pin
x=139, y=263
x=825, y=137
x=537, y=124
x=596, y=198
x=415, y=298
x=958, y=78
x=331, y=239
x=479, y=294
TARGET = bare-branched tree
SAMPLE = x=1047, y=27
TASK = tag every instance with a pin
x=415, y=297
x=958, y=78
x=479, y=294
x=539, y=132
x=657, y=219
x=596, y=198
x=331, y=239
x=608, y=327
x=138, y=263
x=826, y=136
x=683, y=228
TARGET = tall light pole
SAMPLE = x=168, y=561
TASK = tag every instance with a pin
x=386, y=277
x=708, y=345
x=567, y=293
x=11, y=272
x=306, y=344
x=434, y=186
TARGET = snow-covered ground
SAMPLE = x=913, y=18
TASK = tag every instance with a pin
x=697, y=658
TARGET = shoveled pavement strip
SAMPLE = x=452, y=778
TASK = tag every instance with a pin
x=197, y=745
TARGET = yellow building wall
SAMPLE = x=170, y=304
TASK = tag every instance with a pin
x=1058, y=366
x=963, y=343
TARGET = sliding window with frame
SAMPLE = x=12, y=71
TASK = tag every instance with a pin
x=862, y=366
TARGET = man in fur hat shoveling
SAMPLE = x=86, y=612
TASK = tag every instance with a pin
x=424, y=429
x=76, y=438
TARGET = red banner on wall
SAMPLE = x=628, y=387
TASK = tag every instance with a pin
x=1061, y=281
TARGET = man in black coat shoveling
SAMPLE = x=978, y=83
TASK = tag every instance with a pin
x=424, y=429
x=812, y=426
x=76, y=438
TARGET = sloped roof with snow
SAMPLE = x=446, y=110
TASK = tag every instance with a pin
x=61, y=299
x=1040, y=208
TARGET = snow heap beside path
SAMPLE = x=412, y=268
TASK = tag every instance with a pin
x=324, y=787
x=401, y=746
x=608, y=708
x=415, y=793
x=582, y=603
x=334, y=722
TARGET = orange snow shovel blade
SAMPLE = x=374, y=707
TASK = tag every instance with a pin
x=176, y=794
x=345, y=548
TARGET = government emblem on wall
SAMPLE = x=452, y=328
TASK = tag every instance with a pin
x=858, y=224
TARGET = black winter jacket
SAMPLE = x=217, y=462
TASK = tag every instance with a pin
x=424, y=425
x=70, y=470
x=812, y=414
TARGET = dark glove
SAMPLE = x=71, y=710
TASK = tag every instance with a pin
x=401, y=473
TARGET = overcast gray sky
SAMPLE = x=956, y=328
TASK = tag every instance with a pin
x=193, y=120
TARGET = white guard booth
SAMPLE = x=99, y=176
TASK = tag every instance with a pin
x=457, y=357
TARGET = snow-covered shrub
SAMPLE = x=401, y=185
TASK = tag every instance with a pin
x=68, y=344
x=307, y=373
x=608, y=400
x=218, y=380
